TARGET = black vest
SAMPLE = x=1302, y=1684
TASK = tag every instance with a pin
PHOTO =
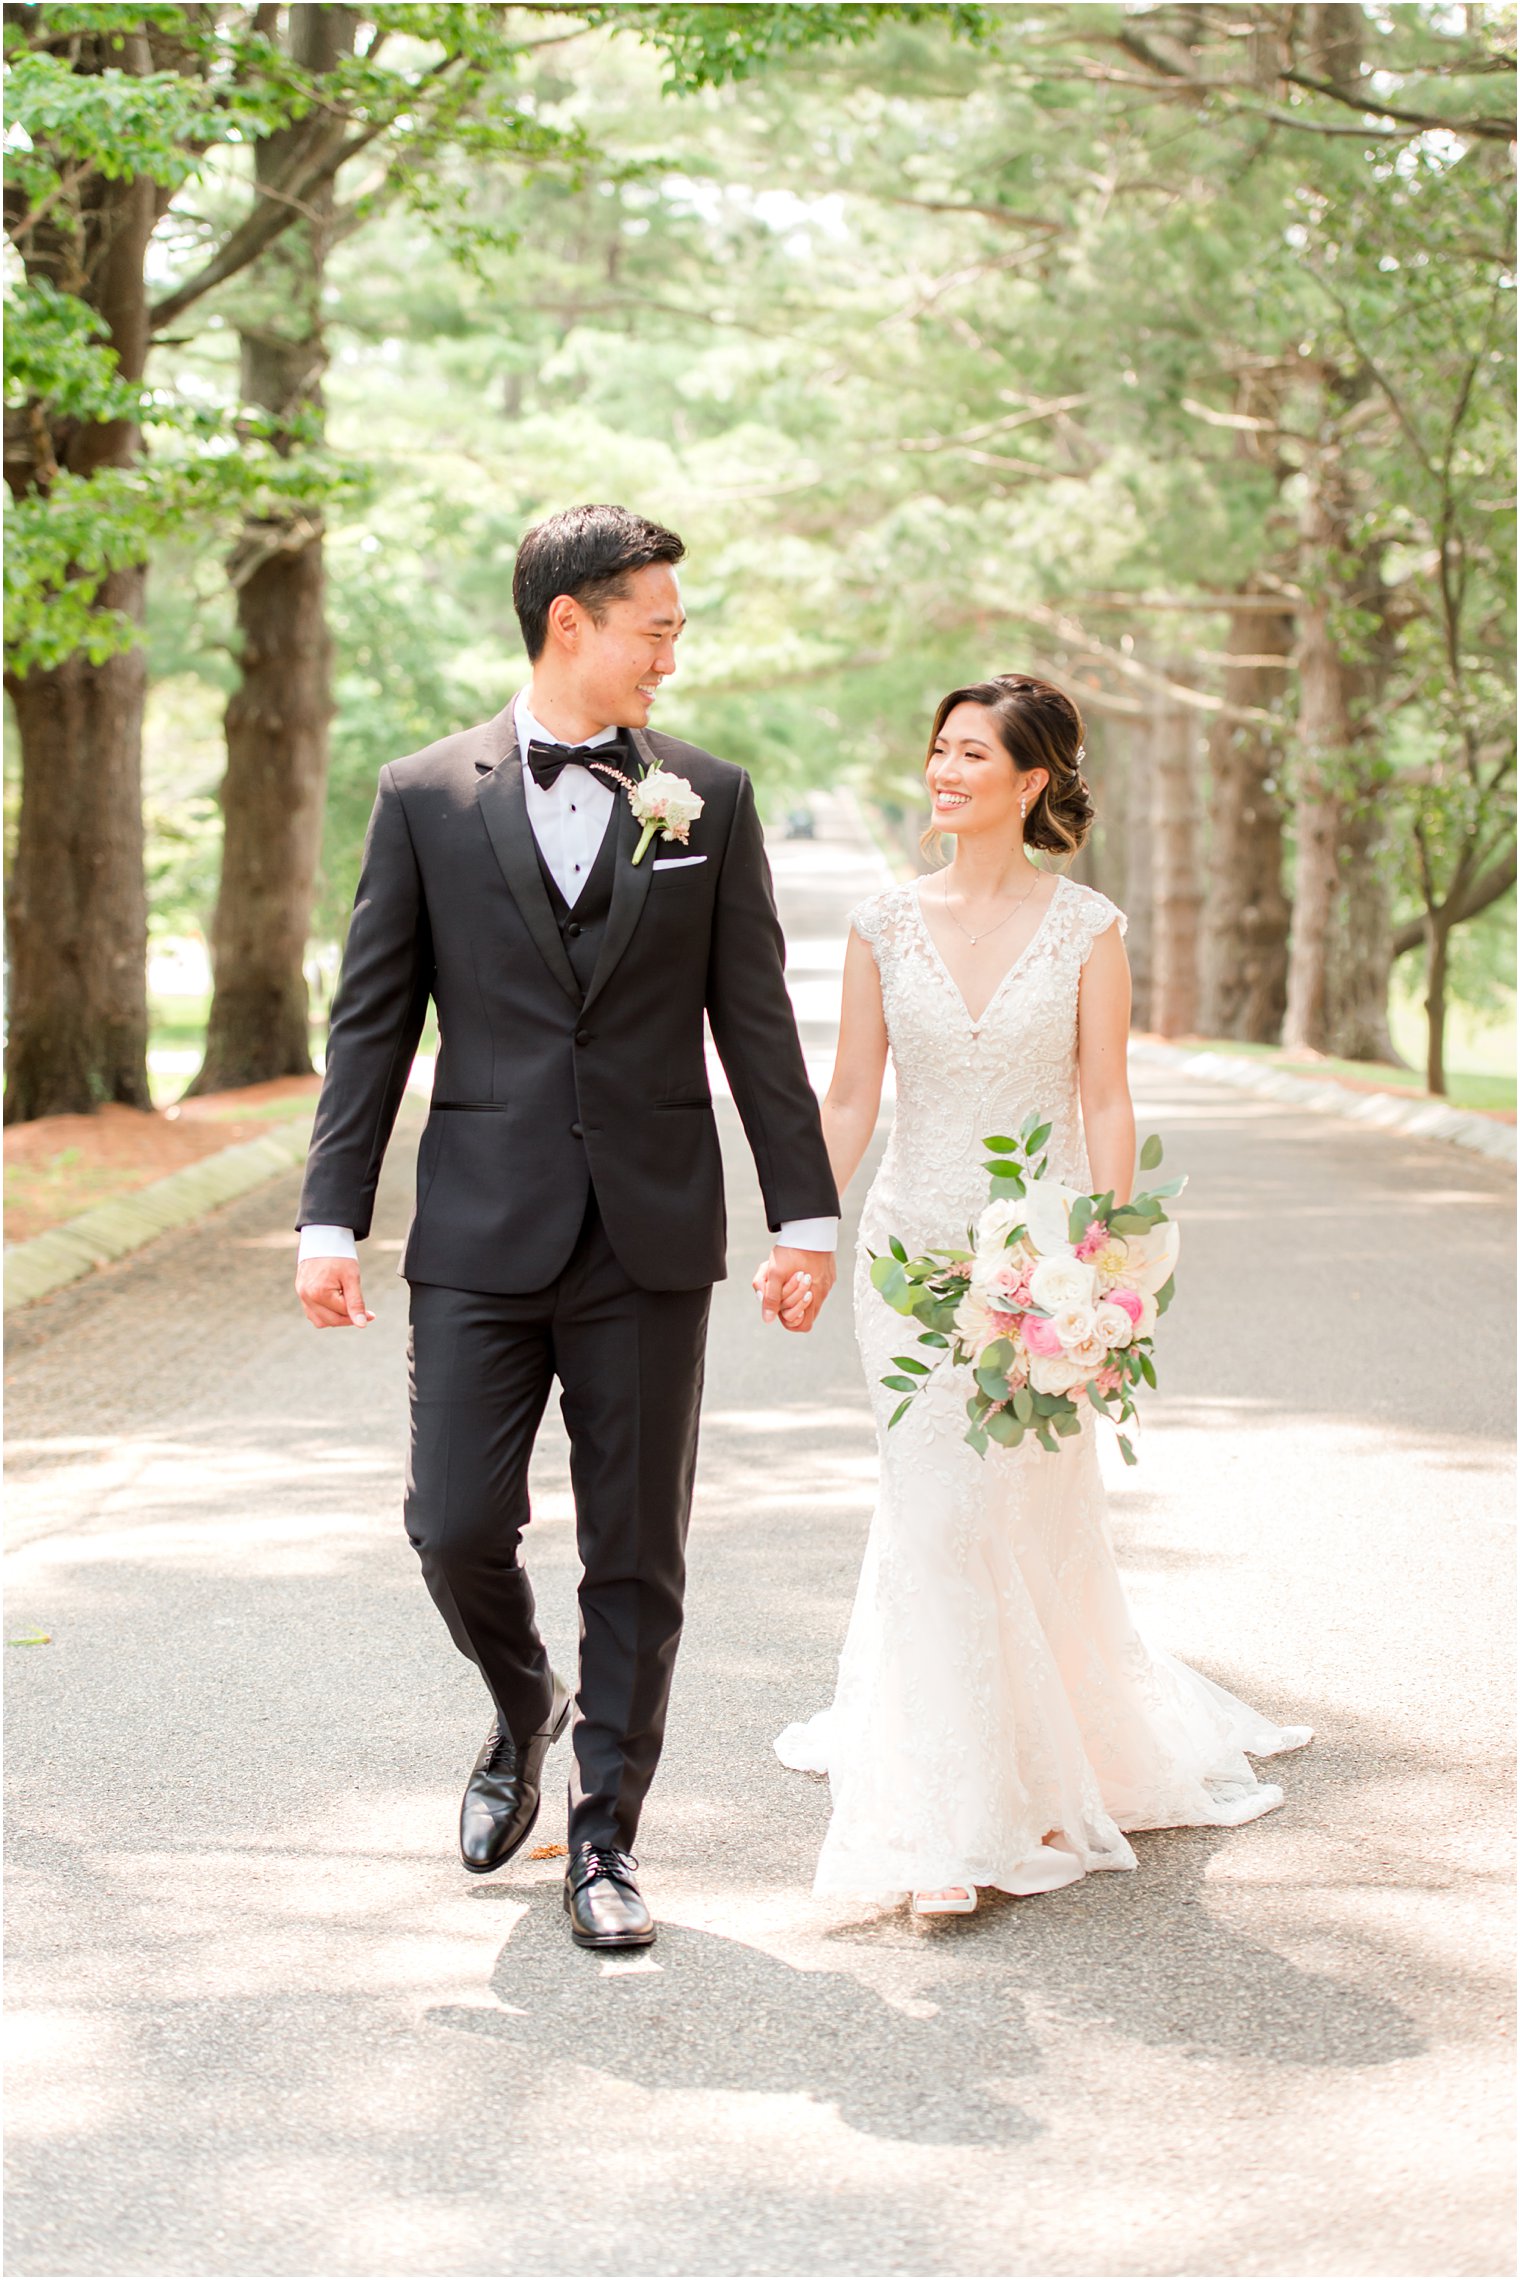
x=582, y=926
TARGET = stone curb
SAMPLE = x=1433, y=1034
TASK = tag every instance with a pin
x=65, y=1254
x=1421, y=1119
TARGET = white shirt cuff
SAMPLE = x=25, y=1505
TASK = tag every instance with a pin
x=327, y=1243
x=808, y=1234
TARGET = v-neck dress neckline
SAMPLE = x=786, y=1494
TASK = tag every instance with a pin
x=977, y=1021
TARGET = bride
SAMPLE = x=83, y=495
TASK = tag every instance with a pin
x=998, y=1719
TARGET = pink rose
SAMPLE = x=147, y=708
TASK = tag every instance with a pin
x=1094, y=1240
x=1131, y=1301
x=1040, y=1335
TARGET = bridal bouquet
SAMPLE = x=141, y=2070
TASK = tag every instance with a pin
x=1052, y=1304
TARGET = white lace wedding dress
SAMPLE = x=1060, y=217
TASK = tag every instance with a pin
x=993, y=1689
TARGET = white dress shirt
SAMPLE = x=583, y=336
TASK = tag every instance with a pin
x=569, y=820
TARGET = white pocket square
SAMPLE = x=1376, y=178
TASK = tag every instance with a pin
x=677, y=862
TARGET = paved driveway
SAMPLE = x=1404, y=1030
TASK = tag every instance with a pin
x=265, y=2025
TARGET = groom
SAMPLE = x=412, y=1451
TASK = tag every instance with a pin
x=569, y=1219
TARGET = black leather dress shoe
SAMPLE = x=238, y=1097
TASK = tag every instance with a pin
x=604, y=1904
x=502, y=1794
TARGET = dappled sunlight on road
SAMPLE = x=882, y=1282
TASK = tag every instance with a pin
x=265, y=2024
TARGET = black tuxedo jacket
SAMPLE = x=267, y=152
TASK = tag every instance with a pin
x=541, y=1090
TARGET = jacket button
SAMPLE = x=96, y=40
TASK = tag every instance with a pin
x=575, y=1132
x=583, y=1037
x=573, y=930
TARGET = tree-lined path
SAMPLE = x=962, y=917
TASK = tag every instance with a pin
x=268, y=2026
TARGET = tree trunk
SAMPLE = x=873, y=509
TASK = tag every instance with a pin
x=277, y=720
x=1177, y=888
x=76, y=906
x=1437, y=940
x=1361, y=941
x=1325, y=732
x=1139, y=892
x=1246, y=913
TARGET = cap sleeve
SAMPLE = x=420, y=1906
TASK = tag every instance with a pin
x=869, y=919
x=1093, y=915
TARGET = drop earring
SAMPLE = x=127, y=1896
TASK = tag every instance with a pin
x=1023, y=807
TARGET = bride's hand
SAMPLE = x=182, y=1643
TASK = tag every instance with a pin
x=793, y=1285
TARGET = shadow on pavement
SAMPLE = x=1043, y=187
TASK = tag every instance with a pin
x=700, y=2012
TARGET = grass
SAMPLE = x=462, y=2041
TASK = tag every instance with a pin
x=1483, y=1090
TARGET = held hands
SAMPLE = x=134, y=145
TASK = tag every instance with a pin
x=330, y=1293
x=793, y=1285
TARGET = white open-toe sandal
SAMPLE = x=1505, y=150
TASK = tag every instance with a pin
x=954, y=1900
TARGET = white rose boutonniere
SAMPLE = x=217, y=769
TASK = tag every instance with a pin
x=665, y=804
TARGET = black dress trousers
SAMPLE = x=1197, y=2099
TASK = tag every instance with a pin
x=630, y=1364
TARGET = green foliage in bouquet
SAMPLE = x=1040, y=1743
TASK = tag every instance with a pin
x=1102, y=1271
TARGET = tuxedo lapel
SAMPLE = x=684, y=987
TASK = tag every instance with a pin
x=630, y=881
x=504, y=811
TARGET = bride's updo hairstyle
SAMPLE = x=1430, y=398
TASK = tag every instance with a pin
x=1040, y=727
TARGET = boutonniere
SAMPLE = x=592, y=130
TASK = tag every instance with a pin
x=660, y=801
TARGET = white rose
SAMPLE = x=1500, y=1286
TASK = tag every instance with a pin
x=996, y=1224
x=1089, y=1359
x=1056, y=1373
x=1060, y=1281
x=1113, y=1324
x=1074, y=1326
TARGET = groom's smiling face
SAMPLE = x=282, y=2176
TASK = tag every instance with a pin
x=619, y=656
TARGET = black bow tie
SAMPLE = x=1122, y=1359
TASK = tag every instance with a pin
x=549, y=761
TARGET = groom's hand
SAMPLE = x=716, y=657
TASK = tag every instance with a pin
x=794, y=1285
x=331, y=1294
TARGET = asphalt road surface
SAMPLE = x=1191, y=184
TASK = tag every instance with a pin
x=263, y=2023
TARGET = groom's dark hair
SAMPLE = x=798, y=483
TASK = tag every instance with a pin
x=588, y=553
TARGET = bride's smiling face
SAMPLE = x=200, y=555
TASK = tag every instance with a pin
x=973, y=783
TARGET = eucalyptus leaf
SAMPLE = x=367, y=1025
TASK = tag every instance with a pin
x=899, y=1385
x=1128, y=1221
x=932, y=1338
x=998, y=1145
x=1023, y=1405
x=899, y=1411
x=1166, y=1294
x=911, y=1362
x=897, y=1250
x=1126, y=1450
x=1150, y=1154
